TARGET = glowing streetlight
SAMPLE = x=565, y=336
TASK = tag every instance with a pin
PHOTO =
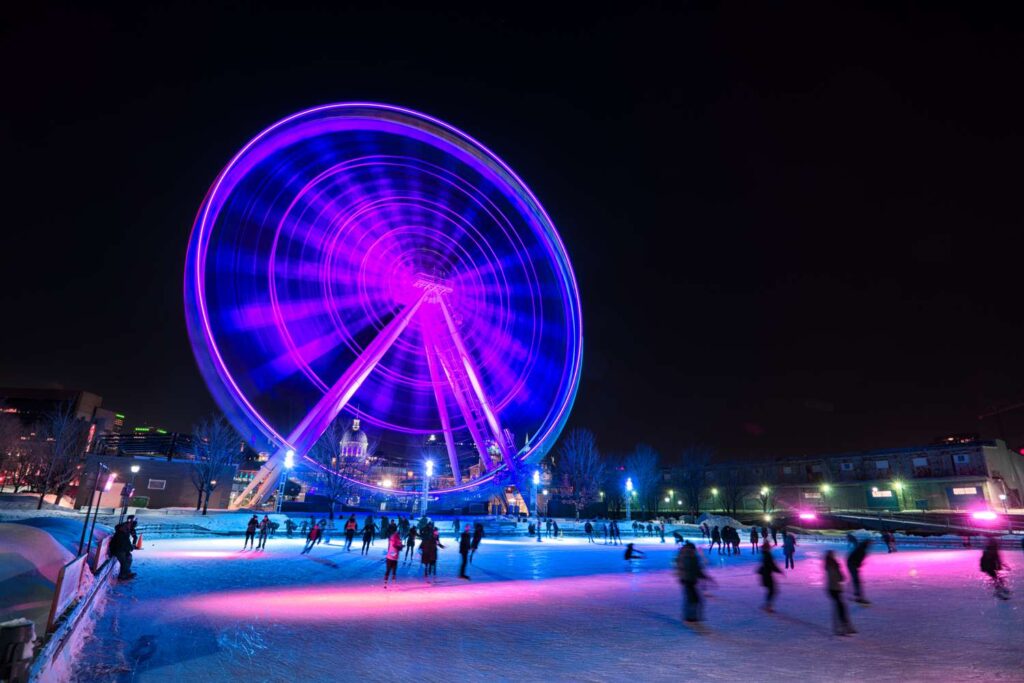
x=289, y=463
x=764, y=490
x=428, y=473
x=536, y=502
x=629, y=497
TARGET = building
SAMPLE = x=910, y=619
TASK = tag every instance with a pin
x=159, y=483
x=956, y=474
x=34, y=405
x=144, y=441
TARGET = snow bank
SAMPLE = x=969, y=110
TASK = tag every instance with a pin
x=719, y=521
x=30, y=561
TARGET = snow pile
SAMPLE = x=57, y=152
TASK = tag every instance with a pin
x=30, y=561
x=719, y=521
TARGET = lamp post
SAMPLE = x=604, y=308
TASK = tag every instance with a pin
x=536, y=502
x=898, y=485
x=96, y=511
x=289, y=463
x=714, y=495
x=127, y=493
x=428, y=472
x=629, y=498
x=825, y=490
x=209, y=489
x=1002, y=499
x=92, y=496
x=765, y=492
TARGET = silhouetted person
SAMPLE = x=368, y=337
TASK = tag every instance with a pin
x=854, y=561
x=633, y=554
x=465, y=545
x=250, y=532
x=992, y=565
x=834, y=579
x=753, y=540
x=264, y=532
x=768, y=570
x=789, y=549
x=691, y=573
x=350, y=531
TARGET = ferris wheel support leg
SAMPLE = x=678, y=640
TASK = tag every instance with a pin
x=481, y=397
x=467, y=412
x=312, y=427
x=442, y=410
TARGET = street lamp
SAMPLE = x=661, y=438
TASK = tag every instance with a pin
x=825, y=490
x=289, y=463
x=536, y=502
x=127, y=492
x=209, y=490
x=629, y=497
x=1002, y=499
x=428, y=473
x=714, y=495
x=92, y=497
x=764, y=498
x=898, y=485
x=96, y=511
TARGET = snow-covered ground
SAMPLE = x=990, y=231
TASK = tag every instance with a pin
x=561, y=610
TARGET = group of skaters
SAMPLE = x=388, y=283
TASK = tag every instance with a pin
x=728, y=539
x=263, y=527
x=690, y=570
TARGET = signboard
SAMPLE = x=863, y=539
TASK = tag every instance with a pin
x=69, y=582
x=99, y=553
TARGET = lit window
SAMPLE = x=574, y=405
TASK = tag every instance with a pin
x=876, y=493
x=812, y=494
x=965, y=491
x=157, y=484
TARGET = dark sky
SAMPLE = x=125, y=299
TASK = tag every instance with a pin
x=796, y=227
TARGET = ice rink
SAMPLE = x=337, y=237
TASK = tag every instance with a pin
x=561, y=610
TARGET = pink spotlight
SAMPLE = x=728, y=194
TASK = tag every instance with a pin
x=808, y=515
x=110, y=481
x=984, y=516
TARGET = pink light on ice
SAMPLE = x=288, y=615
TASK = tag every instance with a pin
x=984, y=516
x=808, y=515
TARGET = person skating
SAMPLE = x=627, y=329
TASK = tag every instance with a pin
x=554, y=528
x=478, y=535
x=613, y=531
x=121, y=547
x=323, y=532
x=391, y=559
x=604, y=532
x=133, y=531
x=455, y=527
x=854, y=561
x=789, y=549
x=588, y=529
x=250, y=532
x=768, y=570
x=992, y=566
x=264, y=532
x=775, y=537
x=430, y=541
x=834, y=580
x=661, y=530
x=350, y=532
x=691, y=573
x=314, y=533
x=369, y=531
x=736, y=541
x=633, y=554
x=410, y=542
x=465, y=545
x=753, y=540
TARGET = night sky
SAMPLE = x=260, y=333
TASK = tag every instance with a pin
x=796, y=228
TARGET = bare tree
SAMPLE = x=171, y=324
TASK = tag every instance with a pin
x=57, y=452
x=218, y=448
x=691, y=477
x=14, y=452
x=579, y=465
x=339, y=468
x=642, y=466
x=733, y=487
x=613, y=484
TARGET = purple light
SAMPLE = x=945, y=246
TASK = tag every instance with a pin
x=984, y=516
x=808, y=515
x=335, y=221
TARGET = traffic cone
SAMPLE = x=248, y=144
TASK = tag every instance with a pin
x=138, y=542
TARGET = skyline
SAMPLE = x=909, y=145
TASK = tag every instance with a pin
x=766, y=262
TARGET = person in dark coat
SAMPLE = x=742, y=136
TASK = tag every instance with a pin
x=789, y=549
x=430, y=541
x=992, y=565
x=465, y=545
x=410, y=542
x=716, y=539
x=133, y=530
x=854, y=561
x=369, y=531
x=250, y=532
x=633, y=554
x=121, y=548
x=775, y=536
x=588, y=529
x=691, y=573
x=264, y=532
x=478, y=535
x=834, y=580
x=768, y=570
x=753, y=540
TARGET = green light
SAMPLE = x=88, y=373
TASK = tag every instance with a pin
x=119, y=416
x=141, y=429
x=161, y=431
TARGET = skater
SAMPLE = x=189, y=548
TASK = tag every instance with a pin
x=716, y=539
x=314, y=533
x=841, y=625
x=588, y=529
x=768, y=570
x=775, y=537
x=250, y=532
x=385, y=525
x=323, y=532
x=753, y=540
x=478, y=535
x=704, y=532
x=547, y=527
x=369, y=531
x=661, y=530
x=121, y=548
x=410, y=542
x=391, y=559
x=554, y=528
x=350, y=532
x=788, y=549
x=691, y=573
x=736, y=541
x=264, y=532
x=465, y=545
x=992, y=565
x=604, y=532
x=430, y=541
x=854, y=561
x=679, y=537
x=133, y=531
x=634, y=554
x=289, y=527
x=455, y=527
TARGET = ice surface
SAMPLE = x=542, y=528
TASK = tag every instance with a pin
x=561, y=610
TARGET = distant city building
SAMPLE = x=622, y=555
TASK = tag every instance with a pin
x=33, y=405
x=159, y=483
x=956, y=475
x=145, y=442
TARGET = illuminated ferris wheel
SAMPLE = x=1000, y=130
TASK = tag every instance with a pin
x=366, y=262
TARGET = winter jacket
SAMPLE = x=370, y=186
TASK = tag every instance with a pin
x=688, y=566
x=465, y=542
x=478, y=535
x=835, y=574
x=990, y=562
x=428, y=548
x=857, y=555
x=394, y=546
x=767, y=568
x=121, y=542
x=789, y=544
x=251, y=526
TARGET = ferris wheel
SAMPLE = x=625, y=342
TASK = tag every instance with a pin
x=369, y=262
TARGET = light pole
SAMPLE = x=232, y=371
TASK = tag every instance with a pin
x=92, y=497
x=428, y=473
x=714, y=495
x=128, y=492
x=289, y=463
x=898, y=485
x=765, y=492
x=209, y=489
x=96, y=511
x=825, y=490
x=629, y=498
x=536, y=502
